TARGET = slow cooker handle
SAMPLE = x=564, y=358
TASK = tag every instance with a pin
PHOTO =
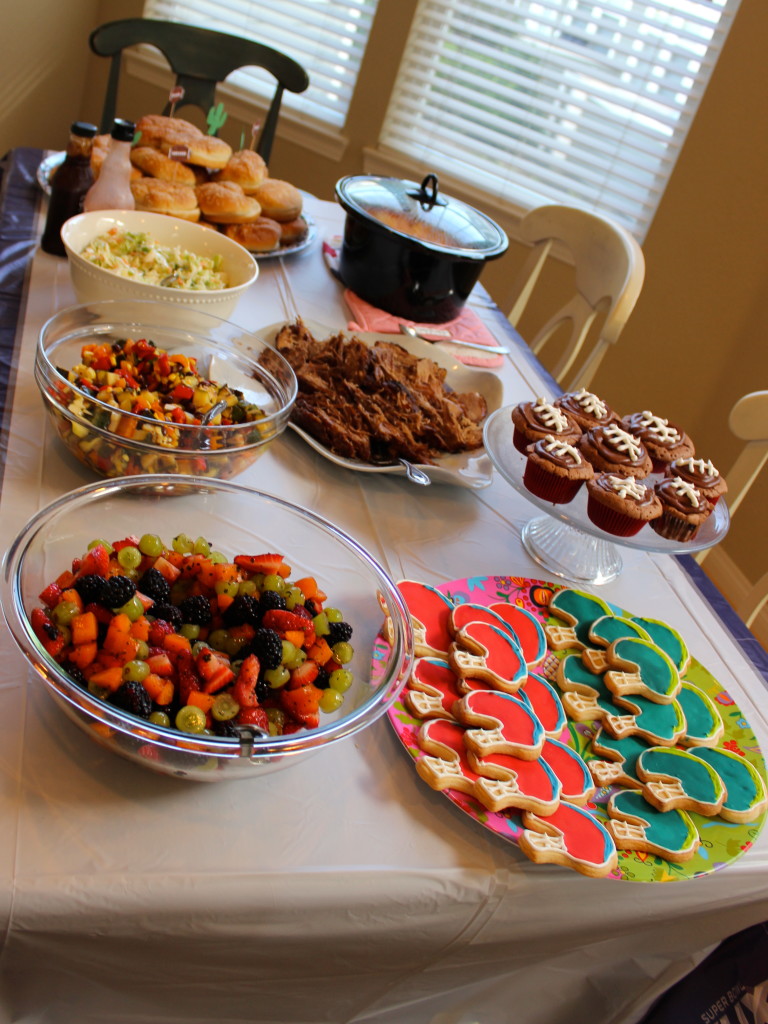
x=427, y=194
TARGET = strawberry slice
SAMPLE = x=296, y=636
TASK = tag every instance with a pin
x=305, y=673
x=269, y=564
x=188, y=679
x=95, y=562
x=244, y=690
x=131, y=541
x=50, y=596
x=47, y=632
x=283, y=621
x=214, y=669
x=302, y=704
x=253, y=716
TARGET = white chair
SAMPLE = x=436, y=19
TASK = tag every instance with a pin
x=610, y=269
x=749, y=422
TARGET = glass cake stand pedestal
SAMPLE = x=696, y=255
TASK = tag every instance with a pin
x=564, y=540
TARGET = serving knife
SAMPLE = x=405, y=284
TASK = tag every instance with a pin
x=411, y=332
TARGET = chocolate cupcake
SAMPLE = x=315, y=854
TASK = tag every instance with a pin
x=683, y=509
x=612, y=450
x=663, y=440
x=535, y=420
x=702, y=475
x=555, y=470
x=587, y=409
x=621, y=505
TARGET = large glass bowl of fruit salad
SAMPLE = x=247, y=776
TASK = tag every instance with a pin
x=144, y=387
x=213, y=632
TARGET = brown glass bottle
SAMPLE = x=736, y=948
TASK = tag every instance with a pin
x=69, y=184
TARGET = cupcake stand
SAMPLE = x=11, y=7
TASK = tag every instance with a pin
x=564, y=540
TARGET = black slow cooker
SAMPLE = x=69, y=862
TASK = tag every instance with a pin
x=411, y=251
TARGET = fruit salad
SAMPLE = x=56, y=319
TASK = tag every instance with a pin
x=185, y=639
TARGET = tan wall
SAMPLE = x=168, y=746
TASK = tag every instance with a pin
x=696, y=340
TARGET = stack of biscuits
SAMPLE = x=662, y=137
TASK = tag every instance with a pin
x=181, y=172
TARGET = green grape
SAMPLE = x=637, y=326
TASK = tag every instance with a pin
x=289, y=650
x=151, y=545
x=182, y=543
x=277, y=677
x=135, y=671
x=201, y=547
x=321, y=624
x=334, y=615
x=97, y=691
x=343, y=652
x=331, y=700
x=293, y=656
x=229, y=587
x=134, y=609
x=224, y=707
x=129, y=557
x=190, y=719
x=190, y=630
x=273, y=582
x=217, y=557
x=276, y=721
x=105, y=544
x=340, y=679
x=235, y=644
x=201, y=645
x=218, y=639
x=160, y=718
x=142, y=650
x=293, y=597
x=64, y=612
x=246, y=587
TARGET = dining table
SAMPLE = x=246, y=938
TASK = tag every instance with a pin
x=343, y=888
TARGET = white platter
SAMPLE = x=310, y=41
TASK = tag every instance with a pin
x=464, y=469
x=289, y=250
x=46, y=168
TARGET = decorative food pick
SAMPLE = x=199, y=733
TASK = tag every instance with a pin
x=175, y=96
x=216, y=119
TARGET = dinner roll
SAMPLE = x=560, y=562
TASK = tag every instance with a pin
x=157, y=196
x=157, y=130
x=279, y=199
x=207, y=152
x=157, y=165
x=226, y=203
x=246, y=168
x=293, y=231
x=260, y=235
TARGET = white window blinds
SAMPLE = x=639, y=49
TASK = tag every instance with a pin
x=578, y=101
x=325, y=36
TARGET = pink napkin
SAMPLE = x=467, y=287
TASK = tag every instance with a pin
x=468, y=326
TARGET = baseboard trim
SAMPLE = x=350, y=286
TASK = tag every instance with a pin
x=734, y=586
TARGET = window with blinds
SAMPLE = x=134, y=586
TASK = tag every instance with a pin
x=586, y=102
x=327, y=37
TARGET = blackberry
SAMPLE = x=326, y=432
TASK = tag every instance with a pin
x=132, y=697
x=323, y=678
x=90, y=588
x=338, y=633
x=154, y=585
x=244, y=609
x=270, y=600
x=195, y=610
x=118, y=590
x=227, y=728
x=311, y=607
x=263, y=690
x=75, y=673
x=168, y=613
x=268, y=648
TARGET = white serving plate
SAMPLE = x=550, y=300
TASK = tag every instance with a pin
x=472, y=469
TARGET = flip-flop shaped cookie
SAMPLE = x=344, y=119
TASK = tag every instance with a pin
x=570, y=836
x=746, y=797
x=463, y=614
x=703, y=725
x=620, y=758
x=527, y=628
x=636, y=825
x=431, y=691
x=576, y=782
x=445, y=766
x=602, y=633
x=498, y=723
x=638, y=666
x=678, y=779
x=658, y=724
x=585, y=695
x=545, y=704
x=481, y=651
x=668, y=639
x=538, y=785
x=577, y=611
x=430, y=611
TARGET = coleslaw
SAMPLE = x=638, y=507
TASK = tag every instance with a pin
x=136, y=256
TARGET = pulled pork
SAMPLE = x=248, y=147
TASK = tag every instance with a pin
x=377, y=404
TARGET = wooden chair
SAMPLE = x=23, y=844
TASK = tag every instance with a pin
x=200, y=58
x=749, y=422
x=610, y=269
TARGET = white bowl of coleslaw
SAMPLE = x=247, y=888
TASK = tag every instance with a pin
x=126, y=254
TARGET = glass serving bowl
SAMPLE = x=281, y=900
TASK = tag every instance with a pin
x=108, y=443
x=236, y=520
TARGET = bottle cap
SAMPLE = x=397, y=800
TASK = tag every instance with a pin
x=123, y=131
x=84, y=129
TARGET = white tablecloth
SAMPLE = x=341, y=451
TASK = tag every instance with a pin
x=343, y=889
